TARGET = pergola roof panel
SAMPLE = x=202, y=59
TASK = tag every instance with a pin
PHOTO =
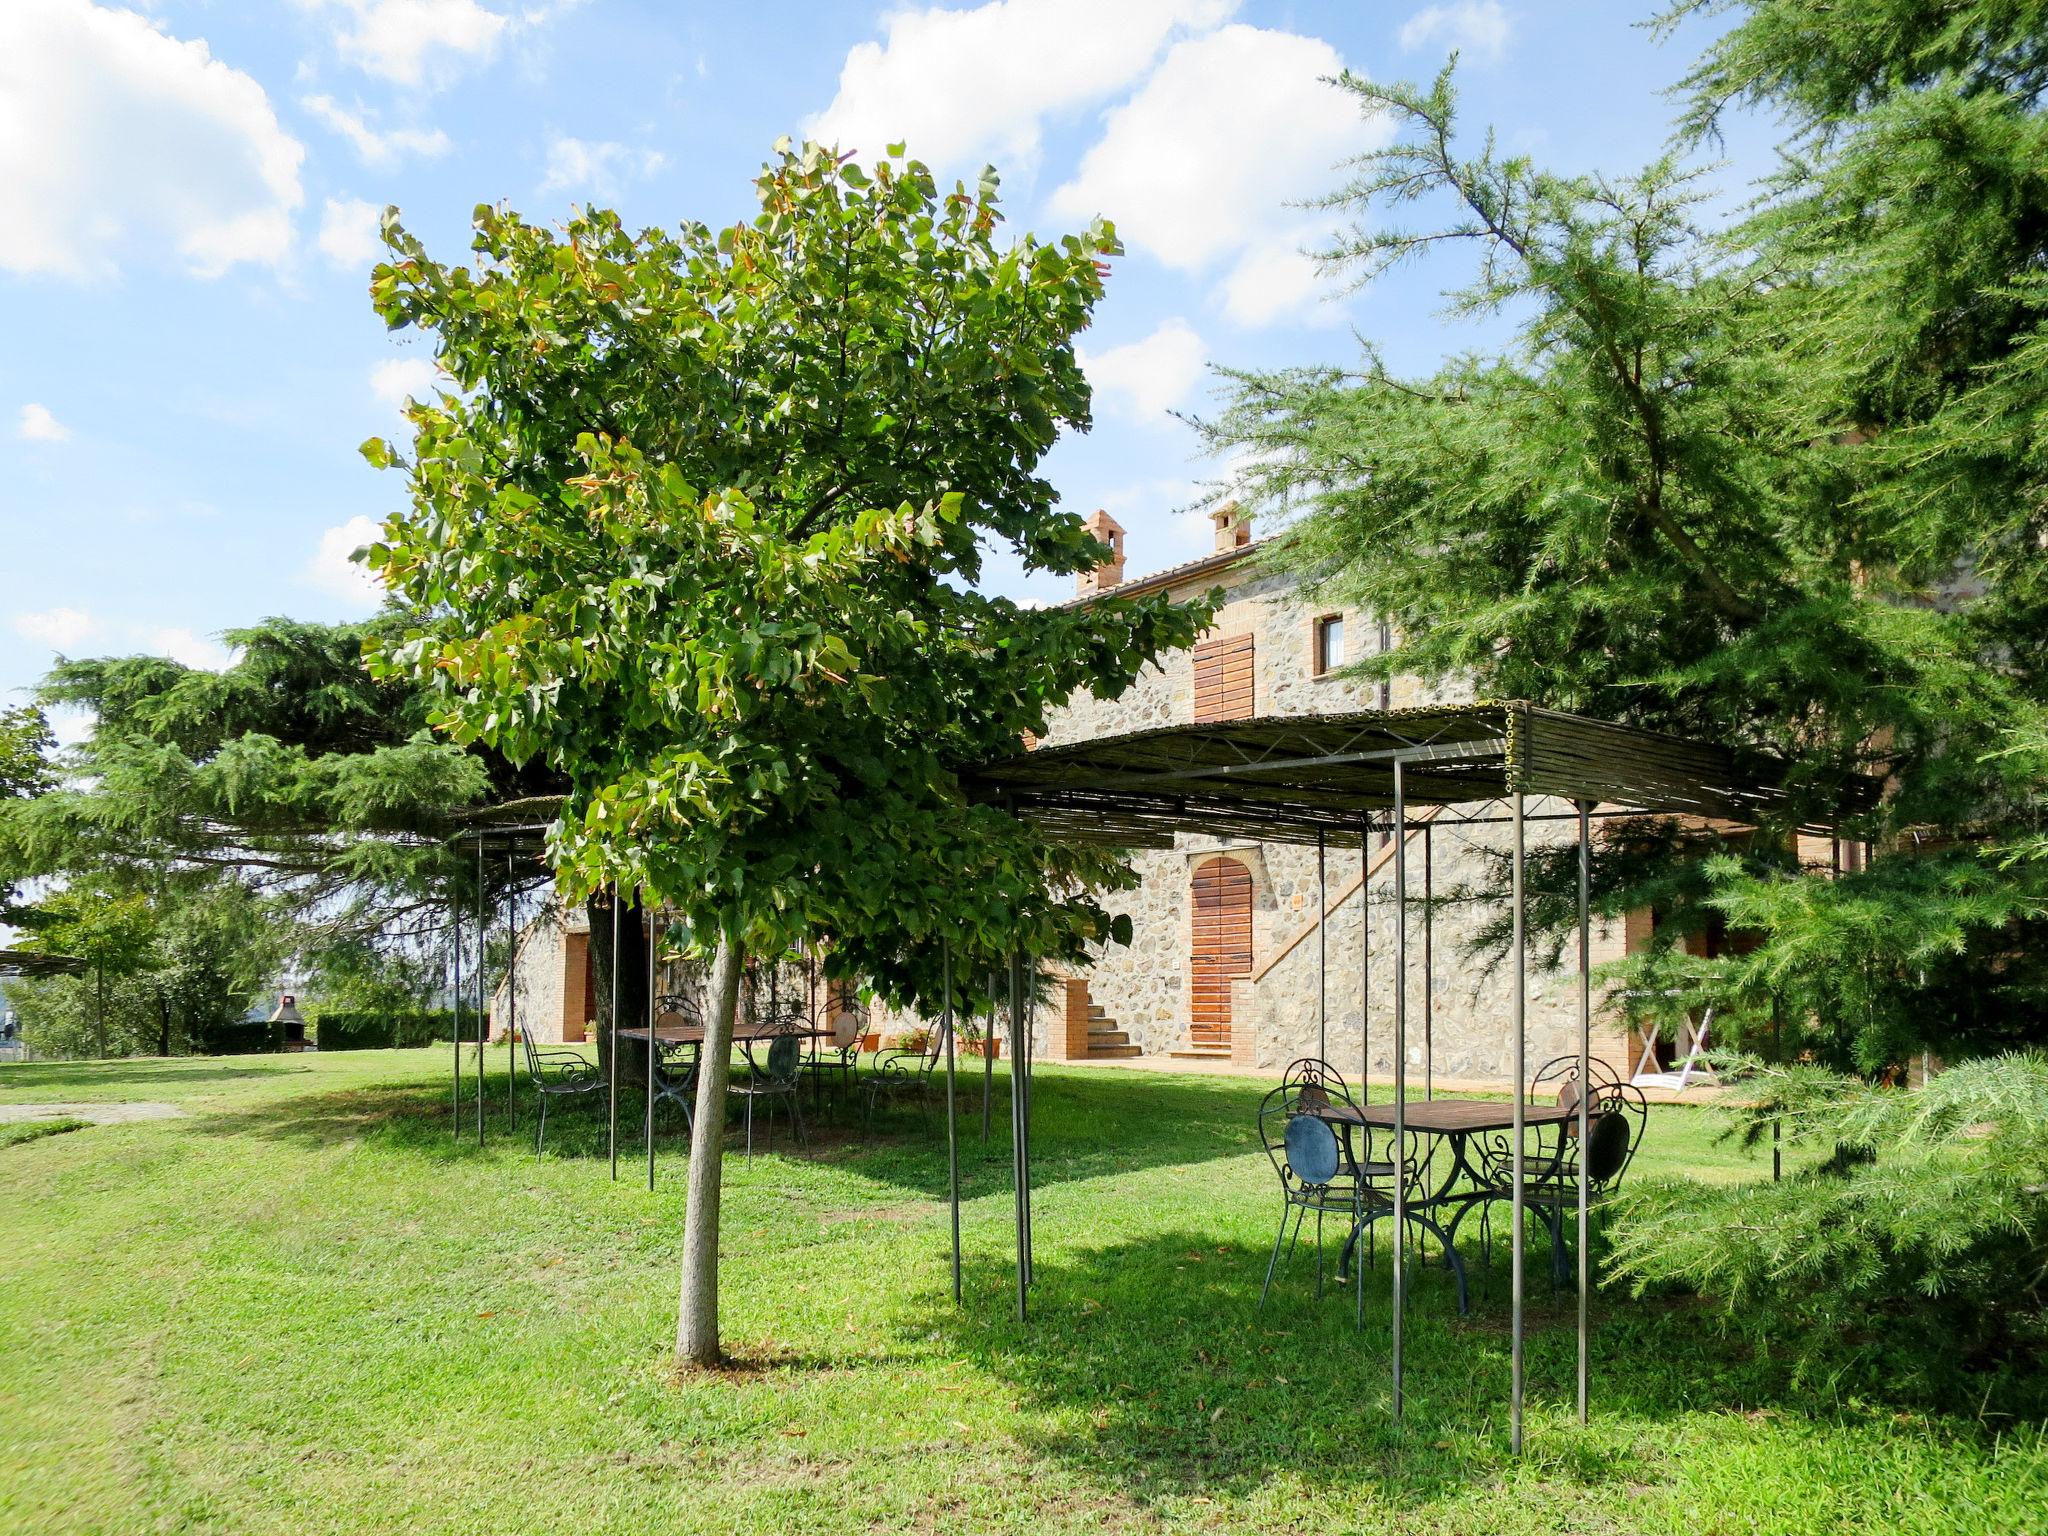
x=1296, y=777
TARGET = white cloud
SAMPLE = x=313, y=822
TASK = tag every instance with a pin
x=387, y=147
x=116, y=138
x=965, y=86
x=1198, y=167
x=37, y=425
x=1473, y=27
x=350, y=232
x=199, y=652
x=578, y=165
x=1150, y=377
x=58, y=628
x=333, y=572
x=414, y=42
x=1274, y=280
x=397, y=379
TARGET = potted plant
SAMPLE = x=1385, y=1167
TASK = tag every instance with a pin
x=975, y=1041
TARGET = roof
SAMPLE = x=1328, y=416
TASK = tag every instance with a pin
x=1296, y=778
x=1172, y=576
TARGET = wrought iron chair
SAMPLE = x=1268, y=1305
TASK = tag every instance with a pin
x=1367, y=1156
x=836, y=1063
x=1314, y=1177
x=557, y=1073
x=774, y=1075
x=676, y=1062
x=903, y=1074
x=1616, y=1115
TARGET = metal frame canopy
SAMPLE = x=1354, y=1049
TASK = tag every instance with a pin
x=1337, y=779
x=1289, y=779
x=25, y=964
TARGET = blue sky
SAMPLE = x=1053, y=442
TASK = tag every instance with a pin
x=188, y=193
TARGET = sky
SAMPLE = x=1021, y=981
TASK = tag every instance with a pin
x=189, y=194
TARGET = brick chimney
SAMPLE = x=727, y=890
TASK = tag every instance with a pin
x=1111, y=572
x=1233, y=527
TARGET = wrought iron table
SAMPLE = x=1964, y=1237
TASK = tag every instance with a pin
x=745, y=1033
x=1456, y=1123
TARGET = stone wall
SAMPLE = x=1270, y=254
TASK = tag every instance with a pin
x=548, y=1009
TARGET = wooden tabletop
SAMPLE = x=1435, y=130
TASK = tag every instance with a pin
x=693, y=1034
x=1449, y=1117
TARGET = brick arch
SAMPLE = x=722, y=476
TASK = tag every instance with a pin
x=1220, y=945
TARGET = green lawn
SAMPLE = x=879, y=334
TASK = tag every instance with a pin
x=300, y=1308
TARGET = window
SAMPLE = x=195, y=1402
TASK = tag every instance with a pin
x=1328, y=644
x=1386, y=641
x=1223, y=678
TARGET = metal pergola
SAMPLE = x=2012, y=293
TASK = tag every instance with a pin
x=513, y=842
x=1339, y=780
x=27, y=964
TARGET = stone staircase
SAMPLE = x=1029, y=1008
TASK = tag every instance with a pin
x=1196, y=1050
x=1104, y=1038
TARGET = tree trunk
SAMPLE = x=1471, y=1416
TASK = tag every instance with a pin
x=631, y=1001
x=163, y=1024
x=697, y=1315
x=99, y=992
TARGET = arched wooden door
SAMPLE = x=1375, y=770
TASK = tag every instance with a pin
x=1222, y=946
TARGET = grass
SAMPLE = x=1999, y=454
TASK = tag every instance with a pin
x=19, y=1131
x=302, y=1308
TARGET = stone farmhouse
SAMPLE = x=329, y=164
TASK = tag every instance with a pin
x=1233, y=942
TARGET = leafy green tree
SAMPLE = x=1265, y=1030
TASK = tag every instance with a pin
x=293, y=771
x=114, y=933
x=25, y=743
x=704, y=511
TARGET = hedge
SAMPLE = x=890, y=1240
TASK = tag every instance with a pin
x=241, y=1038
x=349, y=1030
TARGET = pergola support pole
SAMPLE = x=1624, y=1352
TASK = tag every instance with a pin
x=1017, y=1127
x=1024, y=1066
x=1585, y=1082
x=1364, y=1034
x=1399, y=1152
x=1365, y=961
x=988, y=1061
x=1428, y=966
x=612, y=1025
x=511, y=998
x=648, y=925
x=483, y=934
x=1322, y=952
x=455, y=922
x=1519, y=1018
x=952, y=1114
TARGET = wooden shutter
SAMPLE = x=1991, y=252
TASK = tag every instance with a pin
x=1222, y=946
x=1223, y=678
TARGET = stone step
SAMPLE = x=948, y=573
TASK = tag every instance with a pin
x=1107, y=1037
x=1114, y=1050
x=1097, y=1011
x=1202, y=1053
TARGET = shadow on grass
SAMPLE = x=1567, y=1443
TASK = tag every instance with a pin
x=87, y=1077
x=1085, y=1125
x=1164, y=1377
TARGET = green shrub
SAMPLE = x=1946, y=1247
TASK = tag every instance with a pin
x=353, y=1030
x=1913, y=1257
x=240, y=1038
